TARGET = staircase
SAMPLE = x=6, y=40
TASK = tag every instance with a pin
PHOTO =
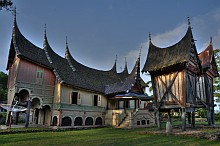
x=125, y=123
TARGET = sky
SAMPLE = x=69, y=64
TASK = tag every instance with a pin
x=98, y=30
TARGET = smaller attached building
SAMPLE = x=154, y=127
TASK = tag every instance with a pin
x=175, y=72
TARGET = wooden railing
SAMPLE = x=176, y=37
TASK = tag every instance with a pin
x=79, y=107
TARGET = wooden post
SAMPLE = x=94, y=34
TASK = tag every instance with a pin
x=169, y=117
x=8, y=118
x=209, y=116
x=16, y=118
x=212, y=115
x=183, y=119
x=158, y=119
x=193, y=119
x=28, y=112
x=189, y=117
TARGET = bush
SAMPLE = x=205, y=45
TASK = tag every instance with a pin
x=217, y=116
x=3, y=118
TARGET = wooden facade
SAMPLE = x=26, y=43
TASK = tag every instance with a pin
x=180, y=80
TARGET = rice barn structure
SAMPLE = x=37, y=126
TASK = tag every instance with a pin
x=182, y=79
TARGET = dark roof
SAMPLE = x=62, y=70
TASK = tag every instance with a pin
x=25, y=49
x=128, y=83
x=162, y=58
x=71, y=72
x=122, y=75
x=140, y=96
x=67, y=70
x=208, y=60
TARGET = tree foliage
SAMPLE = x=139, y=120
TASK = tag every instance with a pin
x=3, y=86
x=7, y=4
x=216, y=81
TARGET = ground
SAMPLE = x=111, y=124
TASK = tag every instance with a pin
x=109, y=136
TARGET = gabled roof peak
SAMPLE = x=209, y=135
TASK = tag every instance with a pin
x=114, y=68
x=125, y=71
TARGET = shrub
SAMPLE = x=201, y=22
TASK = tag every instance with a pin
x=3, y=118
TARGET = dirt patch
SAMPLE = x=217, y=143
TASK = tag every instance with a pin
x=201, y=131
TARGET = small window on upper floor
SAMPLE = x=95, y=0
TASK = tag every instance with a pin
x=95, y=101
x=74, y=97
x=39, y=76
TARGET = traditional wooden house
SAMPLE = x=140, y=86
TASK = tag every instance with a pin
x=205, y=81
x=63, y=92
x=175, y=71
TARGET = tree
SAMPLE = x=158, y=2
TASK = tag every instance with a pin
x=3, y=86
x=216, y=81
x=7, y=4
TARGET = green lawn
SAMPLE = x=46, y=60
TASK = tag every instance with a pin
x=101, y=136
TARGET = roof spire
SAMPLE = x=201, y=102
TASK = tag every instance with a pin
x=149, y=36
x=45, y=29
x=211, y=40
x=45, y=35
x=67, y=49
x=66, y=42
x=126, y=67
x=188, y=21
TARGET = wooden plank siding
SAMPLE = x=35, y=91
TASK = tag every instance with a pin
x=201, y=90
x=26, y=78
x=169, y=89
x=27, y=73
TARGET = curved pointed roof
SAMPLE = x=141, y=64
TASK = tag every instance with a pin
x=207, y=59
x=23, y=48
x=161, y=58
x=124, y=73
x=90, y=78
x=132, y=83
x=206, y=56
x=67, y=70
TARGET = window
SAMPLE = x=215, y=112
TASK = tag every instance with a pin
x=121, y=104
x=148, y=121
x=74, y=97
x=143, y=122
x=138, y=123
x=39, y=76
x=95, y=100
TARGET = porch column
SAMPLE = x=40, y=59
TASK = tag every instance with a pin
x=28, y=112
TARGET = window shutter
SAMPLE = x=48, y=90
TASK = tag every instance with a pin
x=70, y=96
x=78, y=99
x=99, y=100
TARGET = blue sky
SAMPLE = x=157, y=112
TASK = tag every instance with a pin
x=98, y=30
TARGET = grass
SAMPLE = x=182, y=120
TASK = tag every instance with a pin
x=101, y=136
